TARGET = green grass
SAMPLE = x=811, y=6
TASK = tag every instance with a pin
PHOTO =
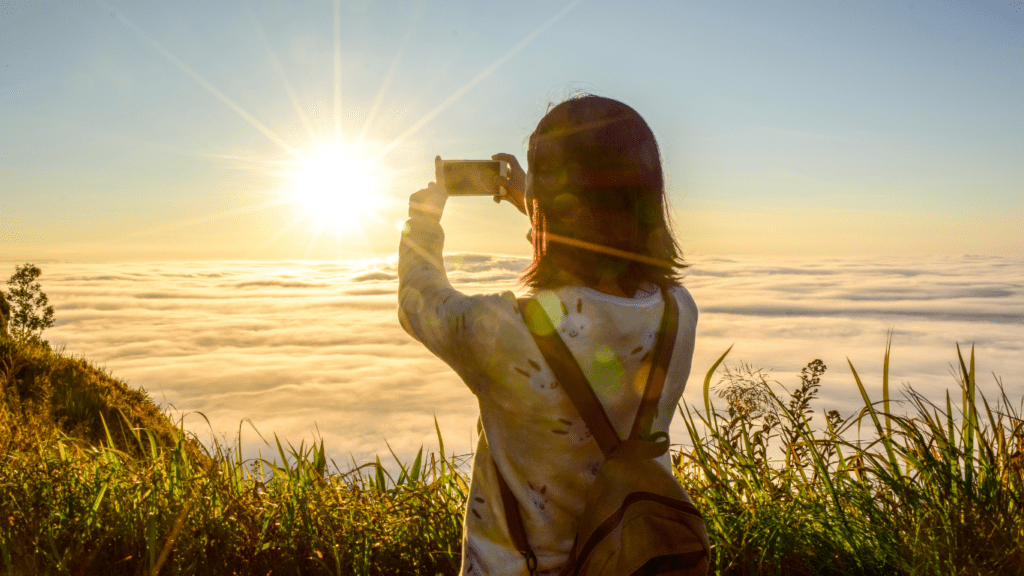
x=94, y=479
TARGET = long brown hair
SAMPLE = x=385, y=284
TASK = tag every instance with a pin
x=599, y=208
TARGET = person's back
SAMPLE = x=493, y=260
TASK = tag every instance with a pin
x=602, y=249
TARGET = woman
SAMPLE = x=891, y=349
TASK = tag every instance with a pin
x=603, y=249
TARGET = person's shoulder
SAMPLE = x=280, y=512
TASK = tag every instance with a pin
x=486, y=309
x=492, y=329
x=685, y=300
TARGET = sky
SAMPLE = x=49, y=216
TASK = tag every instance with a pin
x=308, y=349
x=273, y=130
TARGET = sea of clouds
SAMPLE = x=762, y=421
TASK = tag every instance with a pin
x=310, y=350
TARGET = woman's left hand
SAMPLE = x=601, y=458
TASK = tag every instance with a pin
x=515, y=183
x=431, y=200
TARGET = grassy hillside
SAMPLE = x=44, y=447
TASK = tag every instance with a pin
x=95, y=479
x=45, y=395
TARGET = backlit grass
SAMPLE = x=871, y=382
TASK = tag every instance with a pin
x=92, y=482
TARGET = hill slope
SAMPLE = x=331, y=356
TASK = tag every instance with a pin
x=45, y=393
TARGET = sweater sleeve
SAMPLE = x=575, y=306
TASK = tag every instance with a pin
x=467, y=332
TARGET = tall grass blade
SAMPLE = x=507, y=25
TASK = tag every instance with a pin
x=403, y=473
x=440, y=440
x=886, y=441
x=285, y=467
x=153, y=452
x=970, y=423
x=98, y=500
x=948, y=450
x=110, y=441
x=707, y=389
x=885, y=386
x=414, y=475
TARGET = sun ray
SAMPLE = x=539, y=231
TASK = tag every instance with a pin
x=263, y=163
x=476, y=80
x=343, y=245
x=337, y=71
x=202, y=81
x=204, y=219
x=371, y=116
x=314, y=239
x=303, y=117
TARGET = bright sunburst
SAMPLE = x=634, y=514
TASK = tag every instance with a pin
x=336, y=186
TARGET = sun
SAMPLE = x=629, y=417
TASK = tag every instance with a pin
x=336, y=186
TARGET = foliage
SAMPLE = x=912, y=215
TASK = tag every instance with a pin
x=31, y=312
x=937, y=492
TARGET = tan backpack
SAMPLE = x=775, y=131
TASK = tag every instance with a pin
x=638, y=519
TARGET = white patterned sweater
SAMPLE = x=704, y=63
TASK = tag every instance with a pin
x=531, y=431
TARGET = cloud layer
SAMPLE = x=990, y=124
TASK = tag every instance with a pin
x=297, y=347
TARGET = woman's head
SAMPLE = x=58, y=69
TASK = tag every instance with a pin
x=597, y=199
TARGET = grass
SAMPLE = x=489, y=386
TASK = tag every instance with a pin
x=94, y=479
x=939, y=491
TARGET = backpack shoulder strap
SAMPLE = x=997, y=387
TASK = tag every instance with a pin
x=659, y=367
x=514, y=519
x=569, y=374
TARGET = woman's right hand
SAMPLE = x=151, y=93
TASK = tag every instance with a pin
x=515, y=183
x=431, y=200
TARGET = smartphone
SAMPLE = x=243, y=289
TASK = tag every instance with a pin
x=473, y=177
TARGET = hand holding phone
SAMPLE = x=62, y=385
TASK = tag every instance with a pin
x=431, y=200
x=514, y=182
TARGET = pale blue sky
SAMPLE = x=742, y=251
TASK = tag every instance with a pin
x=129, y=129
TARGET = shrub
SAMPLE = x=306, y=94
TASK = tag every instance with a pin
x=30, y=310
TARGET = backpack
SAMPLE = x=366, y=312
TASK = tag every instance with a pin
x=638, y=519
